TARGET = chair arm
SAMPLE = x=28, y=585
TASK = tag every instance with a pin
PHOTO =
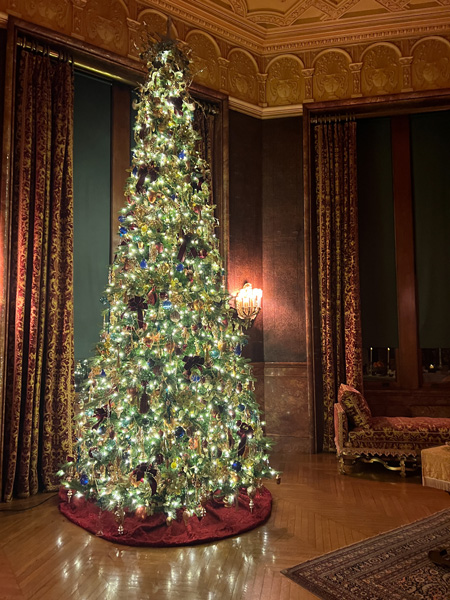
x=340, y=427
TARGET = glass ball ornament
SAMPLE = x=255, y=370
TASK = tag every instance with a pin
x=143, y=264
x=179, y=432
x=121, y=218
x=195, y=378
x=238, y=350
x=167, y=304
x=241, y=407
x=215, y=353
x=175, y=316
x=123, y=231
x=84, y=479
x=236, y=466
x=180, y=267
x=141, y=512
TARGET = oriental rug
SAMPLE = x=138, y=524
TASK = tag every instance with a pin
x=393, y=565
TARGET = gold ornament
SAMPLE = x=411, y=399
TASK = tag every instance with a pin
x=141, y=512
x=119, y=514
x=186, y=516
x=170, y=347
x=198, y=304
x=251, y=492
x=164, y=268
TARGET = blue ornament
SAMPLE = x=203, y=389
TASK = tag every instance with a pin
x=238, y=350
x=103, y=374
x=195, y=378
x=179, y=267
x=214, y=353
x=143, y=263
x=167, y=304
x=236, y=466
x=241, y=406
x=179, y=432
x=135, y=171
x=182, y=155
x=173, y=196
x=84, y=479
x=123, y=231
x=122, y=218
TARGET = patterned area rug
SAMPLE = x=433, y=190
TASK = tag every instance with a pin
x=393, y=566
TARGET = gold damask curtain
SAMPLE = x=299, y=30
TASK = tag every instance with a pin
x=205, y=125
x=39, y=385
x=338, y=264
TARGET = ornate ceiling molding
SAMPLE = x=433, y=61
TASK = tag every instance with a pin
x=268, y=74
x=242, y=28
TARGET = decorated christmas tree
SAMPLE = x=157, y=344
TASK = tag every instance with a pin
x=168, y=420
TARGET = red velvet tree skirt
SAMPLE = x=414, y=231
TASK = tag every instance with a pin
x=219, y=522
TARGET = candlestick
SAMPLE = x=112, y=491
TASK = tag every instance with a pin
x=388, y=350
x=370, y=360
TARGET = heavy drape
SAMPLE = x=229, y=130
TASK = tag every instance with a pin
x=39, y=386
x=205, y=126
x=338, y=264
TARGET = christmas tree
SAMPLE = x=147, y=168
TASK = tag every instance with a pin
x=169, y=419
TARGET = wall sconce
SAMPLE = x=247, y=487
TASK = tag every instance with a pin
x=248, y=302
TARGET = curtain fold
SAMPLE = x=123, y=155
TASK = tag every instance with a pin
x=338, y=264
x=40, y=369
x=205, y=125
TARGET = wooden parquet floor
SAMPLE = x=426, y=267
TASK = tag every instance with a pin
x=45, y=557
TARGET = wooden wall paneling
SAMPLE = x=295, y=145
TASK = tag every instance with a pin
x=120, y=154
x=407, y=359
x=282, y=241
x=245, y=259
x=287, y=412
x=311, y=342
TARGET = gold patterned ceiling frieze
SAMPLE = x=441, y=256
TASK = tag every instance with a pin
x=259, y=84
x=335, y=26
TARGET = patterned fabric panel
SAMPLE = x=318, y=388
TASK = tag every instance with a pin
x=355, y=405
x=340, y=427
x=401, y=433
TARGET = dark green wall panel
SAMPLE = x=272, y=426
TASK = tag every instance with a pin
x=430, y=152
x=92, y=198
x=376, y=234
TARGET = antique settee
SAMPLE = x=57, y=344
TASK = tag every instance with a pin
x=396, y=442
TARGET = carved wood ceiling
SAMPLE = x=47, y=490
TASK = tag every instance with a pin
x=273, y=26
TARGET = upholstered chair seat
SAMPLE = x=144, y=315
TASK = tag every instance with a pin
x=360, y=436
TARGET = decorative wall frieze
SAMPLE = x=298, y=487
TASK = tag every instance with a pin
x=262, y=85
